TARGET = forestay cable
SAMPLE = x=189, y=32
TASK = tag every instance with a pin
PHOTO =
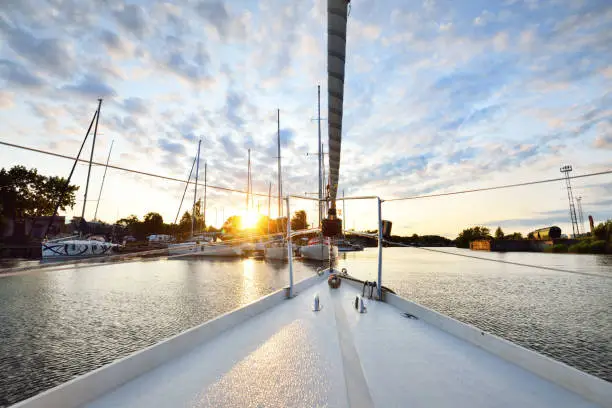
x=499, y=260
x=475, y=190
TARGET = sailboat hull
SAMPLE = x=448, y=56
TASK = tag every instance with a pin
x=279, y=253
x=318, y=252
x=76, y=249
x=204, y=250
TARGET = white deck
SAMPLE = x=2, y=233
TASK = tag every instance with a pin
x=291, y=356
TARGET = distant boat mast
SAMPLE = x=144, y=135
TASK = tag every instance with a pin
x=93, y=145
x=248, y=179
x=320, y=152
x=280, y=183
x=103, y=179
x=195, y=193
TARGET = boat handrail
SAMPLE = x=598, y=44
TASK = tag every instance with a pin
x=61, y=239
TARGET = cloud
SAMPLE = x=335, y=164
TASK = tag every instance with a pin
x=463, y=154
x=112, y=42
x=216, y=14
x=234, y=102
x=194, y=70
x=47, y=54
x=90, y=87
x=16, y=75
x=133, y=19
x=230, y=148
x=604, y=138
x=6, y=100
x=135, y=105
x=172, y=147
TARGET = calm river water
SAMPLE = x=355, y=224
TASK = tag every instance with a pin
x=55, y=325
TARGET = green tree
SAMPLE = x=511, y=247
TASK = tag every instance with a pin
x=128, y=222
x=25, y=193
x=471, y=234
x=298, y=221
x=499, y=234
x=603, y=231
x=515, y=235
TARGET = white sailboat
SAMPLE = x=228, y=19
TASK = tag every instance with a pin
x=74, y=248
x=204, y=249
x=277, y=250
x=77, y=248
x=200, y=245
x=319, y=249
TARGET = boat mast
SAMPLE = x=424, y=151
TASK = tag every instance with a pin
x=195, y=192
x=320, y=150
x=269, y=197
x=103, y=178
x=93, y=145
x=343, y=213
x=248, y=180
x=280, y=186
x=205, y=188
x=323, y=180
x=67, y=185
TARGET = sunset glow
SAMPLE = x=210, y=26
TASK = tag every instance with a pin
x=249, y=220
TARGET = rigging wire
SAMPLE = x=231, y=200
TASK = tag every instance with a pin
x=233, y=190
x=475, y=190
x=143, y=173
x=548, y=268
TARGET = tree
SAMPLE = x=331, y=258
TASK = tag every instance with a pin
x=278, y=225
x=603, y=231
x=200, y=224
x=232, y=225
x=25, y=193
x=499, y=234
x=298, y=221
x=185, y=222
x=153, y=223
x=471, y=234
x=128, y=222
x=516, y=236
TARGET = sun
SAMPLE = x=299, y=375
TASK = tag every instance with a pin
x=249, y=220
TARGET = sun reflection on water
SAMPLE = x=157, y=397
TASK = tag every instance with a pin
x=249, y=290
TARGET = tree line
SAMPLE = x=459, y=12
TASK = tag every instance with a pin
x=26, y=193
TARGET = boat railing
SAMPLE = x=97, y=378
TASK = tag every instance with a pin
x=61, y=239
x=379, y=236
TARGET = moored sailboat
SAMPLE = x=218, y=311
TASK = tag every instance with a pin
x=70, y=248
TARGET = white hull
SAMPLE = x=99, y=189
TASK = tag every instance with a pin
x=397, y=354
x=204, y=250
x=318, y=252
x=77, y=249
x=349, y=249
x=276, y=253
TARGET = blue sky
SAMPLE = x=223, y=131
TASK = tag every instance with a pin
x=440, y=96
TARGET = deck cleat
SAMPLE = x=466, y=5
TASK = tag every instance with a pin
x=317, y=304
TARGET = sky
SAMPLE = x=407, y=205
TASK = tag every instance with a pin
x=440, y=96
